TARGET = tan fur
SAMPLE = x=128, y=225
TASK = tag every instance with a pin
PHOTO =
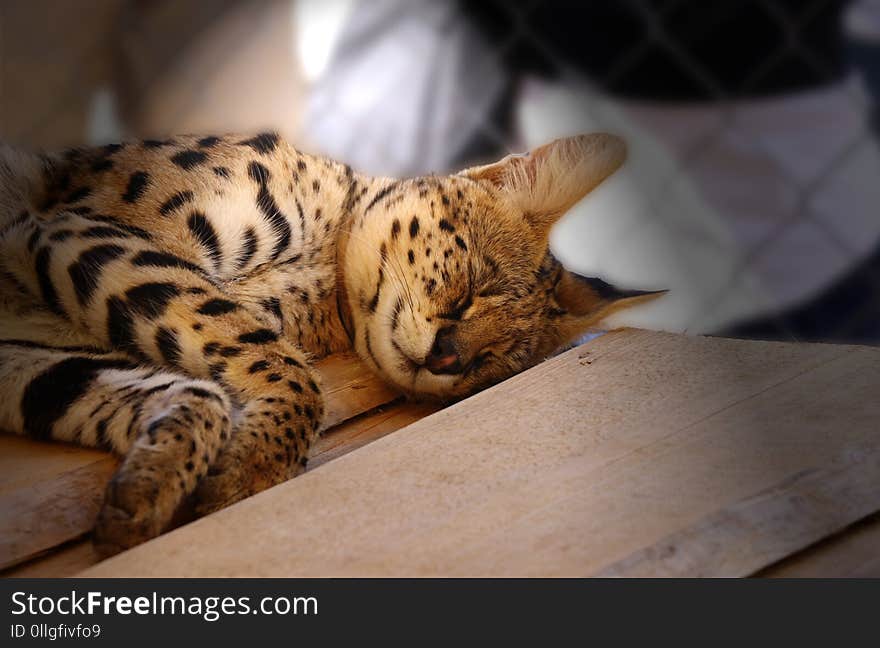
x=165, y=299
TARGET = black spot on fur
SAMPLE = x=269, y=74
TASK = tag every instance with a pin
x=103, y=231
x=156, y=389
x=151, y=299
x=269, y=208
x=217, y=307
x=295, y=386
x=414, y=227
x=210, y=348
x=137, y=186
x=102, y=164
x=44, y=279
x=125, y=227
x=379, y=196
x=120, y=327
x=395, y=229
x=85, y=272
x=302, y=216
x=395, y=315
x=273, y=305
x=176, y=201
x=203, y=393
x=221, y=172
x=460, y=243
x=411, y=256
x=208, y=142
x=259, y=365
x=446, y=226
x=290, y=361
x=30, y=344
x=49, y=396
x=248, y=249
x=260, y=336
x=101, y=434
x=169, y=346
x=206, y=235
x=78, y=194
x=230, y=351
x=263, y=143
x=374, y=301
x=273, y=377
x=259, y=173
x=33, y=239
x=216, y=370
x=61, y=235
x=163, y=260
x=188, y=159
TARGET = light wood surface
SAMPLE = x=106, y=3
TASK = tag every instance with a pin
x=50, y=493
x=639, y=453
x=853, y=553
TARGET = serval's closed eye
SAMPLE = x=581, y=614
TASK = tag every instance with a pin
x=450, y=283
x=164, y=298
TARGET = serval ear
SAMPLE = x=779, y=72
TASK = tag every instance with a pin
x=544, y=183
x=583, y=302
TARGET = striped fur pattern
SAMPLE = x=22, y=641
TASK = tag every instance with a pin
x=164, y=299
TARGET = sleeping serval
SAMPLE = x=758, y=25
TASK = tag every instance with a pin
x=164, y=299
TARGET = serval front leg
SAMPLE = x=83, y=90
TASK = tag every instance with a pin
x=278, y=406
x=168, y=427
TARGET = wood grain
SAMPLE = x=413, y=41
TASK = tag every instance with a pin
x=77, y=555
x=588, y=462
x=350, y=388
x=51, y=512
x=50, y=493
x=853, y=553
x=61, y=562
x=759, y=530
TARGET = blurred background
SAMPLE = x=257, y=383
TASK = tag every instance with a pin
x=753, y=185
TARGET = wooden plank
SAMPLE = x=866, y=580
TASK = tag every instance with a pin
x=350, y=388
x=360, y=431
x=770, y=525
x=853, y=553
x=63, y=561
x=19, y=469
x=50, y=512
x=50, y=493
x=564, y=470
x=336, y=442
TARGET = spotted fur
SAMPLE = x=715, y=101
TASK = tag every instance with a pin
x=165, y=299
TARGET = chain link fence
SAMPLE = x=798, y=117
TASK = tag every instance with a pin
x=752, y=190
x=754, y=155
